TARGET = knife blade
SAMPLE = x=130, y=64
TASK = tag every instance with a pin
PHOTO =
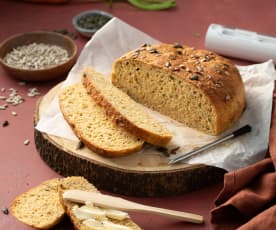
x=236, y=133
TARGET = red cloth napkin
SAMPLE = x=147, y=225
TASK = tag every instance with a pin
x=248, y=198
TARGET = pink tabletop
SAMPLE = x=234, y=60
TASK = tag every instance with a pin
x=21, y=166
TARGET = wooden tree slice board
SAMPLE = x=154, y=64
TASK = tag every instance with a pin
x=138, y=174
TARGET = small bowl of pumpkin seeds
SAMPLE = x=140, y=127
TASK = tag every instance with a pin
x=38, y=56
x=89, y=22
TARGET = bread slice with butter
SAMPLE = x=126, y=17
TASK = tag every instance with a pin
x=81, y=216
x=40, y=206
x=123, y=110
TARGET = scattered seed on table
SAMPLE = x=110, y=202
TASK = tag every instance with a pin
x=5, y=123
x=173, y=151
x=2, y=98
x=32, y=92
x=164, y=151
x=80, y=145
x=5, y=211
x=3, y=107
x=14, y=98
x=14, y=113
x=26, y=142
x=3, y=90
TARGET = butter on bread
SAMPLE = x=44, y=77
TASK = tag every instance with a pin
x=81, y=183
x=196, y=87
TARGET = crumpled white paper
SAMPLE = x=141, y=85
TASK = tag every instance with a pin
x=117, y=38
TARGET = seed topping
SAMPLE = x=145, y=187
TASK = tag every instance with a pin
x=206, y=58
x=199, y=68
x=168, y=64
x=227, y=97
x=176, y=69
x=136, y=53
x=177, y=45
x=144, y=45
x=194, y=77
x=153, y=51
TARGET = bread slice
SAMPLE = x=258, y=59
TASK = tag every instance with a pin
x=123, y=110
x=40, y=206
x=81, y=183
x=196, y=87
x=90, y=123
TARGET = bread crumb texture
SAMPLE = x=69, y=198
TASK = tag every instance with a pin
x=124, y=110
x=39, y=207
x=90, y=123
x=196, y=87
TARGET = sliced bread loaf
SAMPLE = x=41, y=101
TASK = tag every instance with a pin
x=81, y=183
x=124, y=110
x=196, y=87
x=40, y=206
x=90, y=123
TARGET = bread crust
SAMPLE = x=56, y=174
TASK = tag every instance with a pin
x=29, y=201
x=93, y=146
x=216, y=77
x=98, y=149
x=118, y=118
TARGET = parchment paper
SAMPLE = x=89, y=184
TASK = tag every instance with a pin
x=117, y=38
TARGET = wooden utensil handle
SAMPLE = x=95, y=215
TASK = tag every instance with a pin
x=183, y=216
x=126, y=205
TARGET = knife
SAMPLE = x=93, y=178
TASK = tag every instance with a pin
x=239, y=132
x=112, y=202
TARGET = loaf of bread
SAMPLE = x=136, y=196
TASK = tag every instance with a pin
x=124, y=111
x=40, y=206
x=90, y=123
x=196, y=87
x=81, y=183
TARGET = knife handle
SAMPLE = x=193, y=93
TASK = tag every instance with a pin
x=242, y=130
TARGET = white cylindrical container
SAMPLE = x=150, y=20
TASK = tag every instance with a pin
x=240, y=43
